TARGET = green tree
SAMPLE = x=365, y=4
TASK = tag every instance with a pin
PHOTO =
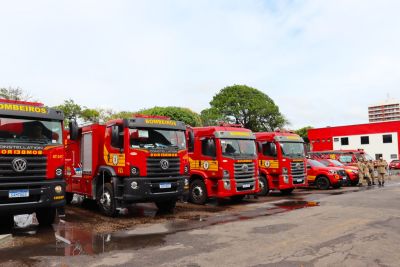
x=241, y=104
x=210, y=117
x=176, y=113
x=90, y=115
x=70, y=109
x=303, y=132
x=16, y=93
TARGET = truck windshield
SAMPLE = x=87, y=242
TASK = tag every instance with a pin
x=238, y=147
x=15, y=130
x=315, y=163
x=157, y=138
x=336, y=163
x=292, y=149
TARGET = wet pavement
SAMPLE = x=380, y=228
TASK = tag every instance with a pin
x=85, y=232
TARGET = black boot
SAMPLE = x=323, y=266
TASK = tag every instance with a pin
x=380, y=184
x=383, y=183
x=369, y=184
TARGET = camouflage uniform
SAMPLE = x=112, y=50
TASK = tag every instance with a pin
x=382, y=167
x=360, y=166
x=367, y=175
x=371, y=171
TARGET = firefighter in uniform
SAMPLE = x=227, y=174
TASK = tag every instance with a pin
x=371, y=171
x=382, y=168
x=367, y=176
x=360, y=166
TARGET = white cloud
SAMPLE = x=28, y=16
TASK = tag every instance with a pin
x=323, y=62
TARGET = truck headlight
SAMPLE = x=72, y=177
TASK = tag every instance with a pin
x=227, y=185
x=59, y=172
x=284, y=170
x=186, y=169
x=225, y=174
x=134, y=185
x=58, y=189
x=134, y=171
x=286, y=179
x=186, y=182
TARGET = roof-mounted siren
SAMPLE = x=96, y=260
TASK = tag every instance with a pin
x=19, y=102
x=279, y=130
x=150, y=117
x=225, y=124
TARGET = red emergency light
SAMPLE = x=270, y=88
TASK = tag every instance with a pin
x=9, y=101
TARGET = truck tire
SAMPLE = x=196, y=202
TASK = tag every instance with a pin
x=6, y=224
x=237, y=199
x=264, y=186
x=287, y=191
x=106, y=201
x=166, y=206
x=46, y=217
x=69, y=197
x=198, y=192
x=322, y=183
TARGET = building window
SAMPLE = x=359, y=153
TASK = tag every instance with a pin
x=387, y=138
x=364, y=140
x=393, y=156
x=378, y=156
x=335, y=139
x=344, y=141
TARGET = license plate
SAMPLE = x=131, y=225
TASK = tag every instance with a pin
x=299, y=180
x=246, y=186
x=344, y=177
x=165, y=185
x=18, y=193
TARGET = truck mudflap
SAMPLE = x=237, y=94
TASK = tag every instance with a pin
x=24, y=198
x=144, y=189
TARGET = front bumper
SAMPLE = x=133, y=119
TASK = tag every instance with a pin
x=41, y=195
x=231, y=187
x=153, y=189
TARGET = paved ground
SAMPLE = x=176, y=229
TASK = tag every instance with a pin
x=345, y=227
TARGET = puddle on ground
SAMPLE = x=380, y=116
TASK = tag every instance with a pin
x=69, y=239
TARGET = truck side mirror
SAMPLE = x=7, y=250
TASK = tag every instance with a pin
x=115, y=136
x=259, y=147
x=190, y=140
x=273, y=149
x=73, y=130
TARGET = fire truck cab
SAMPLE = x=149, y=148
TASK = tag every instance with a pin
x=142, y=159
x=31, y=161
x=282, y=161
x=223, y=163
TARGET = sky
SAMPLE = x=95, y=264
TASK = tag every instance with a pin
x=322, y=62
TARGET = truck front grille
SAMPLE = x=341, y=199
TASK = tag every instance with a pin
x=244, y=171
x=154, y=167
x=298, y=172
x=36, y=168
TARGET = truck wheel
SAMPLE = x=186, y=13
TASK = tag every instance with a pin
x=166, y=206
x=237, y=199
x=198, y=192
x=287, y=191
x=323, y=183
x=106, y=200
x=6, y=224
x=46, y=217
x=264, y=187
x=69, y=197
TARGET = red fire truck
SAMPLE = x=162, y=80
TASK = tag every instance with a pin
x=31, y=161
x=282, y=161
x=223, y=163
x=141, y=159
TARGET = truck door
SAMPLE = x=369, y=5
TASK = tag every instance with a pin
x=87, y=161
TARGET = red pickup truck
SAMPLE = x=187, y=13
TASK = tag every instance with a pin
x=324, y=177
x=351, y=171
